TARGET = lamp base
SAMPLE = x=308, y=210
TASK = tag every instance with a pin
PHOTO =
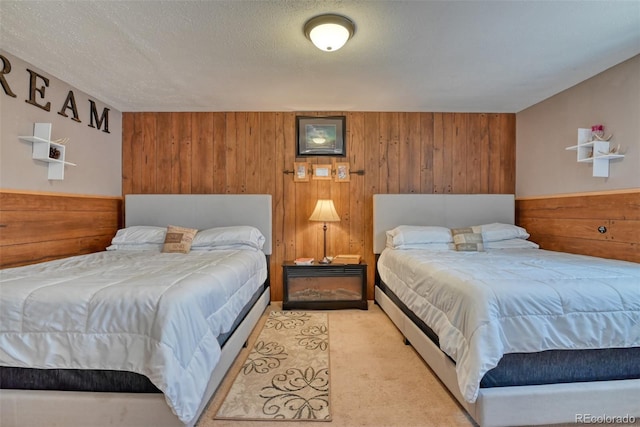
x=324, y=260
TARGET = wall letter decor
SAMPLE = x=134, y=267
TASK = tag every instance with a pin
x=6, y=69
x=70, y=100
x=33, y=89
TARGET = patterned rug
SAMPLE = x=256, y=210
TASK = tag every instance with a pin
x=286, y=375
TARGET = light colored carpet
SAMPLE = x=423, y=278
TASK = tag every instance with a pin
x=286, y=375
x=376, y=380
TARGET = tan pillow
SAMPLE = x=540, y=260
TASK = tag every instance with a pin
x=179, y=239
x=466, y=239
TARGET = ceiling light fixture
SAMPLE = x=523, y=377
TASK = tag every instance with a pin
x=329, y=32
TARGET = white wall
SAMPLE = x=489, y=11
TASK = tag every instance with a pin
x=612, y=98
x=98, y=155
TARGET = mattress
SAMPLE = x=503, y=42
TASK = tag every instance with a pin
x=97, y=380
x=549, y=366
x=151, y=313
x=484, y=305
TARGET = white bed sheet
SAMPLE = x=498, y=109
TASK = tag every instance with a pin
x=157, y=314
x=483, y=305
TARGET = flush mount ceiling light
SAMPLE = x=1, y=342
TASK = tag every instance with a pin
x=329, y=32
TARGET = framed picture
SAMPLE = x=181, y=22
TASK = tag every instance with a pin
x=342, y=172
x=301, y=172
x=320, y=136
x=322, y=172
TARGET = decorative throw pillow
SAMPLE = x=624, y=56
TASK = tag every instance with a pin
x=467, y=239
x=179, y=239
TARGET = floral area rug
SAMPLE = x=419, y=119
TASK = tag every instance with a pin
x=286, y=375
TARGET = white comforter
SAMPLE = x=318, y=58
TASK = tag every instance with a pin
x=157, y=314
x=486, y=304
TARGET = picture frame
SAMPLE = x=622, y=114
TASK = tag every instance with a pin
x=301, y=172
x=320, y=136
x=342, y=172
x=322, y=172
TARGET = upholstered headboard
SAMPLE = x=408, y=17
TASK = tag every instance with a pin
x=201, y=211
x=447, y=210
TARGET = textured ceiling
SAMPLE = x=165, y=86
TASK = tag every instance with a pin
x=226, y=55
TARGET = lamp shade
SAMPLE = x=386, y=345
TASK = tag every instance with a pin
x=329, y=32
x=324, y=211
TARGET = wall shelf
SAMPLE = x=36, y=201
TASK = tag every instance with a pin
x=596, y=152
x=43, y=147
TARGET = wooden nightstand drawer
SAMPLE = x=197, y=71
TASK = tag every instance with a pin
x=320, y=286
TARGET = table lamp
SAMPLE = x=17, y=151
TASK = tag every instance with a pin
x=325, y=212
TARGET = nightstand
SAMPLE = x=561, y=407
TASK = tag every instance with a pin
x=324, y=286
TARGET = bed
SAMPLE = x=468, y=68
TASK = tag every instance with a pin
x=506, y=330
x=163, y=328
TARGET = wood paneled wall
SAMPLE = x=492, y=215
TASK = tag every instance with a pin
x=37, y=227
x=247, y=152
x=570, y=223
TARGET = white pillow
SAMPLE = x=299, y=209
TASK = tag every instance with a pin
x=228, y=237
x=404, y=235
x=157, y=247
x=139, y=234
x=511, y=244
x=425, y=246
x=232, y=247
x=497, y=231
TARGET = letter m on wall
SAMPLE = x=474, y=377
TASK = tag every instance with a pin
x=99, y=121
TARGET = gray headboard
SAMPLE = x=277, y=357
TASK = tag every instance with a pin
x=447, y=210
x=201, y=211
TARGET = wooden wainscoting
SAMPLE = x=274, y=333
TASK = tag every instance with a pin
x=37, y=227
x=570, y=223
